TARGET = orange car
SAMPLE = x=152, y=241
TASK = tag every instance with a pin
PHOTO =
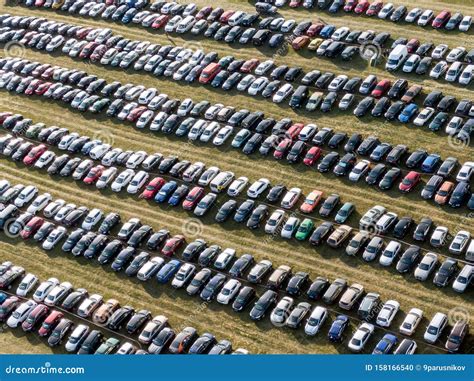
x=444, y=192
x=106, y=310
x=300, y=42
x=311, y=201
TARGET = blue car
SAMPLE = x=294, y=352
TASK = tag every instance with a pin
x=408, y=113
x=178, y=195
x=470, y=203
x=168, y=271
x=338, y=327
x=385, y=345
x=129, y=15
x=327, y=31
x=336, y=5
x=166, y=191
x=3, y=297
x=430, y=163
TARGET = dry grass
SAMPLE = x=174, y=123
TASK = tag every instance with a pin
x=321, y=261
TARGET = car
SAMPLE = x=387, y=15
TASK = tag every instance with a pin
x=435, y=327
x=457, y=336
x=361, y=337
x=152, y=329
x=411, y=321
x=446, y=272
x=409, y=181
x=426, y=266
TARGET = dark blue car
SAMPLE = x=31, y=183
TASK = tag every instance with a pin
x=3, y=297
x=327, y=31
x=166, y=191
x=430, y=163
x=129, y=15
x=385, y=345
x=168, y=271
x=408, y=113
x=337, y=328
x=335, y=6
x=178, y=195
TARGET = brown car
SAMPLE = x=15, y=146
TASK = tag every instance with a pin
x=442, y=196
x=351, y=296
x=457, y=335
x=105, y=311
x=411, y=93
x=300, y=42
x=278, y=277
x=339, y=236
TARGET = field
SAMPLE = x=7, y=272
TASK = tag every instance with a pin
x=181, y=309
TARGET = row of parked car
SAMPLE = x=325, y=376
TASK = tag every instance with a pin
x=446, y=19
x=142, y=264
x=53, y=306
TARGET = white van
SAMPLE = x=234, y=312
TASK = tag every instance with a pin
x=435, y=328
x=464, y=278
x=396, y=58
x=453, y=72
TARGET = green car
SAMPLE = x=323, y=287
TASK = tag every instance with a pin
x=304, y=230
x=33, y=131
x=108, y=347
x=99, y=105
x=344, y=213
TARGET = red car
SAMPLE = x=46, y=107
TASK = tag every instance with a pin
x=314, y=29
x=193, y=197
x=381, y=88
x=350, y=5
x=88, y=49
x=31, y=227
x=295, y=3
x=412, y=45
x=282, y=148
x=160, y=22
x=35, y=317
x=312, y=156
x=30, y=90
x=94, y=174
x=249, y=65
x=153, y=188
x=294, y=131
x=362, y=7
x=50, y=322
x=98, y=53
x=8, y=306
x=441, y=19
x=4, y=115
x=41, y=89
x=311, y=201
x=40, y=70
x=410, y=181
x=374, y=8
x=226, y=16
x=135, y=113
x=172, y=244
x=34, y=154
x=203, y=13
x=39, y=3
x=48, y=73
x=82, y=33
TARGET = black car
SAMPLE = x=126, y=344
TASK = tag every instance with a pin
x=91, y=343
x=198, y=282
x=59, y=332
x=140, y=235
x=390, y=178
x=432, y=99
x=213, y=287
x=263, y=305
x=324, y=80
x=259, y=214
x=422, y=229
x=446, y=103
x=408, y=259
x=208, y=255
x=446, y=272
x=296, y=152
x=336, y=140
x=157, y=239
x=110, y=251
x=381, y=107
x=321, y=232
x=162, y=341
x=310, y=77
x=329, y=205
x=364, y=106
x=402, y=227
x=253, y=144
x=394, y=110
x=226, y=210
x=118, y=318
x=353, y=143
x=241, y=265
x=74, y=299
x=424, y=66
x=297, y=282
x=75, y=216
x=395, y=155
x=431, y=187
x=193, y=249
x=96, y=246
x=137, y=263
x=352, y=85
x=275, y=193
x=138, y=320
x=82, y=245
x=460, y=195
x=334, y=49
x=123, y=258
x=72, y=239
x=244, y=298
x=375, y=174
x=345, y=165
x=416, y=158
x=368, y=145
x=328, y=162
x=317, y=288
x=203, y=344
x=109, y=222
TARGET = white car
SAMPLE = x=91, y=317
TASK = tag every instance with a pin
x=291, y=198
x=88, y=305
x=411, y=321
x=122, y=180
x=454, y=71
x=465, y=277
x=423, y=116
x=145, y=119
x=185, y=107
x=147, y=95
x=456, y=54
x=281, y=312
x=26, y=284
x=258, y=187
x=258, y=86
x=39, y=203
x=185, y=273
x=106, y=178
x=307, y=133
x=290, y=227
x=193, y=171
x=454, y=125
x=438, y=238
x=208, y=175
x=439, y=51
x=76, y=338
x=237, y=186
x=387, y=313
x=246, y=82
x=152, y=328
x=99, y=151
x=411, y=63
x=224, y=258
x=21, y=313
x=361, y=337
x=54, y=238
x=209, y=132
x=385, y=11
x=386, y=222
x=426, y=17
x=275, y=221
x=92, y=219
x=460, y=241
x=197, y=129
x=135, y=159
x=465, y=24
x=25, y=196
x=263, y=67
x=435, y=328
x=340, y=33
x=316, y=320
x=63, y=212
x=58, y=293
x=413, y=15
x=466, y=76
x=229, y=291
x=465, y=172
x=138, y=182
x=222, y=136
x=66, y=141
x=150, y=268
x=439, y=69
x=283, y=93
x=390, y=253
x=359, y=171
x=221, y=181
x=44, y=288
x=82, y=169
x=426, y=266
x=53, y=207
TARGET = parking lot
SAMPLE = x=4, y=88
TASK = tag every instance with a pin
x=181, y=309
